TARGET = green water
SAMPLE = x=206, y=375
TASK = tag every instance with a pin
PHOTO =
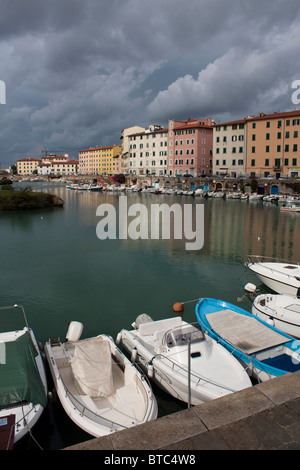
x=53, y=263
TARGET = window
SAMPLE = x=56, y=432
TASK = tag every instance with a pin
x=287, y=135
x=253, y=125
x=253, y=149
x=253, y=162
x=223, y=162
x=267, y=162
x=268, y=124
x=233, y=162
x=253, y=136
x=295, y=147
x=268, y=136
x=278, y=148
x=294, y=162
x=278, y=135
x=286, y=148
x=286, y=162
x=267, y=148
x=295, y=133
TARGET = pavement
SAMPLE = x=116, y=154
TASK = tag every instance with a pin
x=263, y=417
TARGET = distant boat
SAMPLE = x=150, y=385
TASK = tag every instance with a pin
x=161, y=348
x=290, y=207
x=96, y=187
x=281, y=311
x=23, y=383
x=281, y=277
x=98, y=387
x=265, y=351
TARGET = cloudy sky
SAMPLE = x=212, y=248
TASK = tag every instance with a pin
x=77, y=72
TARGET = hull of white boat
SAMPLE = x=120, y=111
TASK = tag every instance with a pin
x=278, y=281
x=26, y=415
x=172, y=377
x=81, y=408
x=280, y=311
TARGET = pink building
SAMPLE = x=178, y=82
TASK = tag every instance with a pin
x=190, y=145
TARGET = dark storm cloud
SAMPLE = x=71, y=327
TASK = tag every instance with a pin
x=78, y=72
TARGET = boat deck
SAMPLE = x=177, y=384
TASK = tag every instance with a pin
x=245, y=333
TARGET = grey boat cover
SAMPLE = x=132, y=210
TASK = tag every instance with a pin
x=19, y=376
x=92, y=367
x=245, y=333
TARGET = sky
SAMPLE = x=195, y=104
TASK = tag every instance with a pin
x=75, y=73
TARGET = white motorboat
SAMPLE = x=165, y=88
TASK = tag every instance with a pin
x=290, y=207
x=281, y=311
x=98, y=387
x=96, y=187
x=255, y=197
x=283, y=278
x=182, y=360
x=23, y=383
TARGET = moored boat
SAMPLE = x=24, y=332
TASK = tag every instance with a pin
x=265, y=351
x=281, y=277
x=23, y=384
x=98, y=387
x=281, y=311
x=182, y=360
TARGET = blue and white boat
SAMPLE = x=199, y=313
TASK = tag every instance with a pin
x=265, y=351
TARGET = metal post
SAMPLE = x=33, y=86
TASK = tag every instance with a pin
x=189, y=372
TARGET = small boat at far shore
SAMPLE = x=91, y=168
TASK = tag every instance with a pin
x=182, y=360
x=265, y=351
x=281, y=311
x=23, y=383
x=98, y=387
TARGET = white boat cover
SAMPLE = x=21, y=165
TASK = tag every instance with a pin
x=244, y=332
x=92, y=367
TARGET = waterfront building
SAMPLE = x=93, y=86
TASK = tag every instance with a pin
x=230, y=148
x=190, y=147
x=27, y=166
x=273, y=144
x=125, y=138
x=58, y=168
x=98, y=160
x=148, y=151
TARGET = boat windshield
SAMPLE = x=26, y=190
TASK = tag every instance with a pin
x=180, y=336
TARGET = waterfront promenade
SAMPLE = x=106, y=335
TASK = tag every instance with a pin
x=263, y=417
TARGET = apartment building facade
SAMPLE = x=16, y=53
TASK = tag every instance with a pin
x=99, y=160
x=230, y=148
x=27, y=166
x=273, y=144
x=148, y=151
x=190, y=147
x=125, y=138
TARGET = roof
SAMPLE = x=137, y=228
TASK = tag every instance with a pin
x=29, y=160
x=262, y=117
x=99, y=148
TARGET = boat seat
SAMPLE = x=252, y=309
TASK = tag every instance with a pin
x=150, y=328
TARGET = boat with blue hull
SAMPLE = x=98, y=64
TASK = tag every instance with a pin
x=265, y=351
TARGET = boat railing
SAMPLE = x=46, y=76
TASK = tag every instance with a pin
x=85, y=411
x=269, y=259
x=198, y=379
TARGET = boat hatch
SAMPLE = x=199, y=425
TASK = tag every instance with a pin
x=244, y=332
x=180, y=336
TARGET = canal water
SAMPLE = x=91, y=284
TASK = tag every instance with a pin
x=54, y=264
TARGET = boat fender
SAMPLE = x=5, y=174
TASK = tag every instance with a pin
x=118, y=338
x=134, y=355
x=150, y=370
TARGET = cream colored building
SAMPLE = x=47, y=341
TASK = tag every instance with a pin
x=27, y=166
x=125, y=137
x=230, y=148
x=148, y=152
x=99, y=160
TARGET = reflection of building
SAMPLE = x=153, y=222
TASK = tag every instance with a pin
x=27, y=166
x=99, y=160
x=229, y=148
x=190, y=147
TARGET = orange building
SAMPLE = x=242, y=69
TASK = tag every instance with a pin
x=273, y=144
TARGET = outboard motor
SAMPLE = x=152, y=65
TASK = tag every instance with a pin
x=74, y=331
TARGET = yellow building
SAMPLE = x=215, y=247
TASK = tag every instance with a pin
x=273, y=144
x=27, y=166
x=99, y=160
